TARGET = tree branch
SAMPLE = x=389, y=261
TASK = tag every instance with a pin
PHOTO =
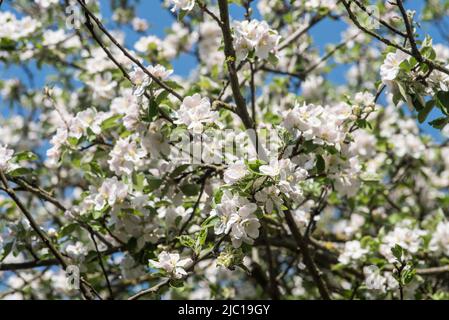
x=307, y=258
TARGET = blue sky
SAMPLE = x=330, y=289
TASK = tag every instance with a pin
x=160, y=19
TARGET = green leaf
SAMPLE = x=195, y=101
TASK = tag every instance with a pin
x=201, y=240
x=320, y=164
x=190, y=189
x=72, y=141
x=397, y=252
x=95, y=167
x=173, y=84
x=68, y=229
x=439, y=123
x=178, y=170
x=209, y=222
x=162, y=96
x=182, y=14
x=422, y=115
x=97, y=214
x=20, y=172
x=176, y=283
x=7, y=44
x=153, y=183
x=408, y=275
x=186, y=241
x=418, y=102
x=7, y=248
x=138, y=180
x=442, y=100
x=111, y=122
x=152, y=109
x=25, y=155
x=273, y=59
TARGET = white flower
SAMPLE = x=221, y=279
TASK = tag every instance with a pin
x=272, y=169
x=256, y=35
x=53, y=37
x=14, y=28
x=316, y=4
x=237, y=218
x=351, y=226
x=111, y=192
x=52, y=232
x=209, y=44
x=76, y=251
x=270, y=197
x=313, y=86
x=268, y=41
x=195, y=112
x=149, y=42
x=373, y=278
x=235, y=172
x=305, y=118
x=154, y=141
x=172, y=216
x=160, y=72
x=129, y=268
x=302, y=213
x=140, y=80
x=45, y=3
x=87, y=119
x=103, y=86
x=5, y=156
x=54, y=153
x=353, y=251
x=126, y=156
x=246, y=228
x=391, y=66
x=404, y=235
x=172, y=264
x=139, y=24
x=440, y=238
x=185, y=5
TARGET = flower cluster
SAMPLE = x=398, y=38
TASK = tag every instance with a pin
x=185, y=5
x=16, y=29
x=5, y=158
x=236, y=218
x=172, y=264
x=126, y=156
x=195, y=112
x=318, y=123
x=254, y=35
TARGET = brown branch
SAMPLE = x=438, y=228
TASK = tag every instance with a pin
x=103, y=269
x=230, y=62
x=197, y=203
x=42, y=235
x=381, y=21
x=307, y=258
x=409, y=28
x=166, y=281
x=88, y=14
x=28, y=265
x=274, y=290
x=392, y=44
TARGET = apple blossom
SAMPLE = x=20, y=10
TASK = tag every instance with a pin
x=172, y=264
x=195, y=112
x=5, y=156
